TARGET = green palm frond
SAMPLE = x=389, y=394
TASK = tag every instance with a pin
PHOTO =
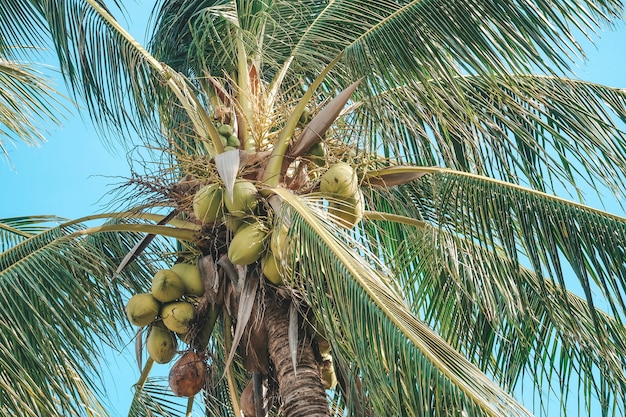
x=59, y=305
x=27, y=102
x=155, y=399
x=403, y=363
x=494, y=270
x=508, y=320
x=102, y=67
x=541, y=231
x=14, y=230
x=531, y=129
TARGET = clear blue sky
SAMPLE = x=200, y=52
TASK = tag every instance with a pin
x=71, y=173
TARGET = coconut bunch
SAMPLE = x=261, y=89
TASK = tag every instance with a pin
x=168, y=309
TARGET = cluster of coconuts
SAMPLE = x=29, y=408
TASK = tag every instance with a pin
x=250, y=234
x=229, y=140
x=169, y=311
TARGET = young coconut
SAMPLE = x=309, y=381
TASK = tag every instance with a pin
x=188, y=375
x=178, y=316
x=190, y=276
x=329, y=377
x=244, y=199
x=142, y=309
x=339, y=180
x=208, y=203
x=167, y=286
x=349, y=211
x=248, y=244
x=161, y=344
x=271, y=269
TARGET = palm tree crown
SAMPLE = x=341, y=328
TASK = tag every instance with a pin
x=356, y=203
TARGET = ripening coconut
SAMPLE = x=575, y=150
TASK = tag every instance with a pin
x=142, y=309
x=244, y=200
x=190, y=276
x=208, y=203
x=167, y=286
x=271, y=269
x=339, y=180
x=178, y=316
x=248, y=244
x=161, y=344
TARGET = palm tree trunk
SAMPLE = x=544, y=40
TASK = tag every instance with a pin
x=301, y=393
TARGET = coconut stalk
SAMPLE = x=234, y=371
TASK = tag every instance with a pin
x=300, y=390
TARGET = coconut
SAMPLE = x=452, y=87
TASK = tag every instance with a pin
x=208, y=203
x=244, y=199
x=161, y=344
x=225, y=130
x=167, y=286
x=246, y=401
x=339, y=180
x=142, y=309
x=188, y=375
x=190, y=276
x=271, y=270
x=248, y=244
x=233, y=141
x=317, y=154
x=349, y=211
x=177, y=316
x=329, y=378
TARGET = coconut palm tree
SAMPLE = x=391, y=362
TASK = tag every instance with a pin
x=361, y=203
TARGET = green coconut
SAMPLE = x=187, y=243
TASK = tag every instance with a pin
x=190, y=276
x=244, y=200
x=271, y=269
x=178, y=316
x=349, y=211
x=339, y=180
x=161, y=344
x=208, y=203
x=225, y=130
x=167, y=286
x=248, y=244
x=142, y=309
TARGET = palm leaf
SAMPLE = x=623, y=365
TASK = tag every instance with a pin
x=155, y=399
x=404, y=364
x=14, y=230
x=58, y=286
x=527, y=129
x=477, y=254
x=27, y=100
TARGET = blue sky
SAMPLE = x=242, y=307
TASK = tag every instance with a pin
x=70, y=174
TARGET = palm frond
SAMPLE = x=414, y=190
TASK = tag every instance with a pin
x=510, y=322
x=60, y=287
x=529, y=129
x=403, y=363
x=14, y=230
x=27, y=103
x=473, y=264
x=104, y=69
x=155, y=399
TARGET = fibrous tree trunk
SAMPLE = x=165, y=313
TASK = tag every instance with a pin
x=301, y=393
